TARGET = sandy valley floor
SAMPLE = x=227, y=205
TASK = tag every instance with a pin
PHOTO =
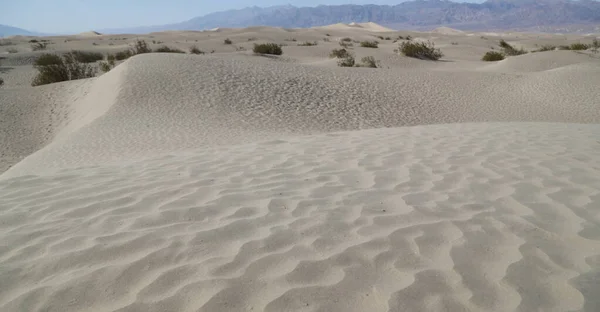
x=236, y=182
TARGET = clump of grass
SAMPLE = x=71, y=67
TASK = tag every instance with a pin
x=194, y=50
x=564, y=47
x=39, y=46
x=291, y=39
x=267, y=48
x=33, y=41
x=369, y=44
x=326, y=39
x=420, y=50
x=227, y=41
x=492, y=56
x=348, y=61
x=408, y=37
x=339, y=53
x=307, y=44
x=328, y=35
x=369, y=61
x=380, y=37
x=53, y=68
x=510, y=50
x=12, y=50
x=121, y=55
x=240, y=49
x=252, y=39
x=454, y=43
x=140, y=47
x=1, y=81
x=87, y=57
x=346, y=39
x=388, y=38
x=106, y=66
x=346, y=45
x=595, y=45
x=165, y=49
x=545, y=48
x=579, y=46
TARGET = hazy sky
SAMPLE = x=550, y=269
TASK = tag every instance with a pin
x=72, y=16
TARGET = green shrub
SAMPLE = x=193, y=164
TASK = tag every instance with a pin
x=369, y=44
x=369, y=61
x=87, y=57
x=510, y=50
x=595, y=45
x=420, y=50
x=123, y=55
x=307, y=44
x=267, y=48
x=39, y=46
x=579, y=46
x=339, y=53
x=227, y=41
x=52, y=68
x=165, y=49
x=104, y=66
x=195, y=50
x=110, y=57
x=348, y=61
x=492, y=56
x=140, y=47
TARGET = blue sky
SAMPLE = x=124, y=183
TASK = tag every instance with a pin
x=73, y=16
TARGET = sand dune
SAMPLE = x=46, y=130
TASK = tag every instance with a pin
x=235, y=182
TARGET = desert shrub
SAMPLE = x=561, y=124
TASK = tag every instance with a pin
x=165, y=49
x=53, y=68
x=267, y=48
x=252, y=39
x=454, y=43
x=380, y=37
x=369, y=44
x=510, y=50
x=326, y=39
x=12, y=50
x=4, y=42
x=33, y=41
x=87, y=57
x=339, y=53
x=348, y=61
x=227, y=41
x=123, y=55
x=140, y=47
x=595, y=45
x=346, y=45
x=104, y=66
x=110, y=57
x=39, y=46
x=328, y=35
x=307, y=44
x=420, y=50
x=195, y=50
x=579, y=46
x=346, y=39
x=1, y=81
x=369, y=61
x=545, y=48
x=291, y=39
x=564, y=47
x=409, y=38
x=492, y=56
x=388, y=38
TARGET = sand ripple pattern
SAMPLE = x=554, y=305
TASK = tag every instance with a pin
x=464, y=217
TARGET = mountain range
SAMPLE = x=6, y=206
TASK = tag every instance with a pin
x=6, y=31
x=565, y=16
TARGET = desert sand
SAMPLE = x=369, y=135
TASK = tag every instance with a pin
x=236, y=182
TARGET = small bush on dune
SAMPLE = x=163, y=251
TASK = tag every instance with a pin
x=1, y=82
x=195, y=50
x=267, y=48
x=510, y=50
x=369, y=61
x=346, y=45
x=53, y=68
x=104, y=66
x=291, y=39
x=595, y=45
x=579, y=46
x=492, y=56
x=388, y=38
x=339, y=53
x=420, y=50
x=123, y=55
x=348, y=61
x=545, y=48
x=307, y=44
x=39, y=46
x=165, y=49
x=346, y=39
x=4, y=42
x=87, y=57
x=369, y=44
x=12, y=50
x=227, y=41
x=140, y=47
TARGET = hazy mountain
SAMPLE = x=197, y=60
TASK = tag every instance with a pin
x=13, y=31
x=540, y=15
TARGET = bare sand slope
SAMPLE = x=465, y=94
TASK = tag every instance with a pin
x=163, y=103
x=463, y=217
